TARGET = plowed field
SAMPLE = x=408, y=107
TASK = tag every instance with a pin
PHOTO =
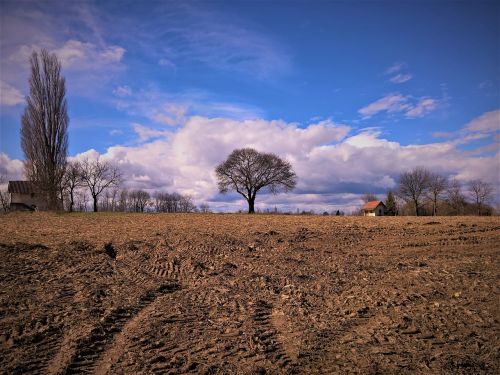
x=238, y=294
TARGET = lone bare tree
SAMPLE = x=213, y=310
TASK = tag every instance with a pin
x=98, y=176
x=247, y=171
x=481, y=191
x=437, y=186
x=72, y=180
x=413, y=185
x=44, y=125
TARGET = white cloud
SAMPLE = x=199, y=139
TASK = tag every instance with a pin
x=390, y=104
x=401, y=78
x=146, y=133
x=173, y=109
x=170, y=114
x=122, y=91
x=422, y=107
x=11, y=169
x=9, y=95
x=79, y=55
x=397, y=103
x=487, y=123
x=394, y=68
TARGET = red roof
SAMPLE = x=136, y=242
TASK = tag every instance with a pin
x=20, y=187
x=372, y=205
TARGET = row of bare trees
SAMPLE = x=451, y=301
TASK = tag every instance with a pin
x=426, y=192
x=95, y=175
x=137, y=200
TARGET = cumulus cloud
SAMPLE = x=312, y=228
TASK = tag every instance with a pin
x=146, y=133
x=9, y=95
x=334, y=165
x=397, y=103
x=11, y=169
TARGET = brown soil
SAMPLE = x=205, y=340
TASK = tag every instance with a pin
x=154, y=293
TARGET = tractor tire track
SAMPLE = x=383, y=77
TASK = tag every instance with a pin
x=92, y=348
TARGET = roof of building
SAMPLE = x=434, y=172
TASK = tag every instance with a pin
x=372, y=205
x=20, y=187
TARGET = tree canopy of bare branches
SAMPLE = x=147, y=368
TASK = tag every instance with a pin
x=44, y=125
x=247, y=171
x=98, y=176
x=436, y=187
x=413, y=185
x=455, y=197
x=481, y=192
x=72, y=180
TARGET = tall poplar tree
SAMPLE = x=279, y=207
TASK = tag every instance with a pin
x=44, y=128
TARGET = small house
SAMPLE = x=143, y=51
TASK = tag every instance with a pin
x=23, y=196
x=374, y=208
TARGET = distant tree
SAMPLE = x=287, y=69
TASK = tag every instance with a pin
x=390, y=204
x=139, y=200
x=123, y=200
x=247, y=171
x=186, y=204
x=481, y=192
x=205, y=208
x=369, y=197
x=98, y=176
x=4, y=195
x=437, y=186
x=44, y=125
x=72, y=180
x=455, y=197
x=413, y=185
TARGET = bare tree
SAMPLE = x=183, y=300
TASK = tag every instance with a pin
x=247, y=171
x=205, y=208
x=437, y=186
x=455, y=197
x=413, y=185
x=369, y=197
x=98, y=176
x=4, y=194
x=72, y=180
x=186, y=204
x=139, y=200
x=44, y=125
x=122, y=200
x=481, y=192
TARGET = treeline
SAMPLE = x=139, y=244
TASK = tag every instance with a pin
x=138, y=200
x=94, y=185
x=422, y=192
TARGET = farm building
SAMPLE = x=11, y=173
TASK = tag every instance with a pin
x=23, y=196
x=374, y=208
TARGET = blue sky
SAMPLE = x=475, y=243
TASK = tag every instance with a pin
x=336, y=87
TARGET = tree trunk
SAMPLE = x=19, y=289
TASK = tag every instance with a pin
x=95, y=203
x=71, y=201
x=251, y=205
x=416, y=207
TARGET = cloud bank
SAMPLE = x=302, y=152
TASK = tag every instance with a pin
x=335, y=166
